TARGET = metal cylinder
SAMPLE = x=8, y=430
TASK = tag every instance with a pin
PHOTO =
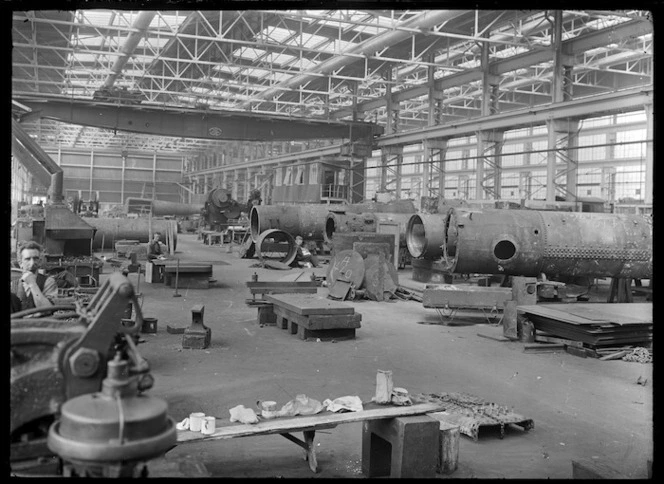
x=160, y=208
x=306, y=220
x=110, y=230
x=425, y=235
x=363, y=222
x=532, y=242
x=396, y=206
x=276, y=245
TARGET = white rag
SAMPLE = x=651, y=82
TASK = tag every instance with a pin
x=348, y=403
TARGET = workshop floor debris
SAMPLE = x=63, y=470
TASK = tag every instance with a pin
x=471, y=413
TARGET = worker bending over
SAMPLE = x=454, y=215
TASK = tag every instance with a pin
x=33, y=290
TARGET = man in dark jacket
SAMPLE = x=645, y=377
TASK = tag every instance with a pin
x=154, y=248
x=33, y=289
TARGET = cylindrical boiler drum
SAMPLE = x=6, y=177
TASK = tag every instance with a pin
x=306, y=220
x=110, y=230
x=363, y=222
x=396, y=206
x=425, y=235
x=160, y=208
x=531, y=242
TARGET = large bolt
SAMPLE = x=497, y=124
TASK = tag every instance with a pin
x=84, y=362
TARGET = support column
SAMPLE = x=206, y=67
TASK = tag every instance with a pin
x=92, y=165
x=122, y=177
x=489, y=147
x=490, y=84
x=357, y=177
x=608, y=183
x=562, y=144
x=247, y=184
x=236, y=184
x=391, y=155
x=525, y=185
x=434, y=163
x=561, y=83
x=392, y=109
x=650, y=133
x=355, y=87
x=154, y=176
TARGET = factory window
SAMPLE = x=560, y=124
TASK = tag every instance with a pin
x=299, y=178
x=313, y=174
x=594, y=153
x=631, y=150
x=277, y=177
x=512, y=160
x=288, y=176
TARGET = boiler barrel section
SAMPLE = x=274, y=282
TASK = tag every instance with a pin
x=110, y=230
x=529, y=242
x=425, y=235
x=307, y=220
x=350, y=222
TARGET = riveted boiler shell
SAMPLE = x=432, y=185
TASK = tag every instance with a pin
x=597, y=244
x=530, y=242
x=307, y=220
x=495, y=241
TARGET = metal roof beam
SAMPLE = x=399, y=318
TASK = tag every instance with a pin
x=141, y=24
x=621, y=101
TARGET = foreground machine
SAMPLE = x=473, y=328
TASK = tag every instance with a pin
x=58, y=366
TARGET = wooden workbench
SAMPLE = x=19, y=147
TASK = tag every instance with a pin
x=308, y=425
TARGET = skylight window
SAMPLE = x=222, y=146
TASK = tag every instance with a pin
x=248, y=53
x=275, y=34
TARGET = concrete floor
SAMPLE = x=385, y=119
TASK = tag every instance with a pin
x=581, y=407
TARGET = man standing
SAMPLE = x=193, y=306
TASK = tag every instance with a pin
x=33, y=290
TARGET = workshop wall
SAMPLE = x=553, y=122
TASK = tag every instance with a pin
x=113, y=176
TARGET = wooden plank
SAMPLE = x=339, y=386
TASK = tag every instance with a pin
x=552, y=339
x=306, y=304
x=302, y=423
x=543, y=348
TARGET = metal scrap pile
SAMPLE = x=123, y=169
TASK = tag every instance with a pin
x=639, y=355
x=470, y=412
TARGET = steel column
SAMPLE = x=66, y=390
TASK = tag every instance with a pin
x=562, y=143
x=650, y=133
x=489, y=147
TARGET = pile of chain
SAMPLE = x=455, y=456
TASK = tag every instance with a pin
x=639, y=355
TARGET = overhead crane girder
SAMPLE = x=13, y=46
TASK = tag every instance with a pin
x=210, y=125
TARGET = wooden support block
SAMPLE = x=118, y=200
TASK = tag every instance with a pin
x=573, y=350
x=400, y=447
x=448, y=451
x=282, y=323
x=593, y=469
x=266, y=315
